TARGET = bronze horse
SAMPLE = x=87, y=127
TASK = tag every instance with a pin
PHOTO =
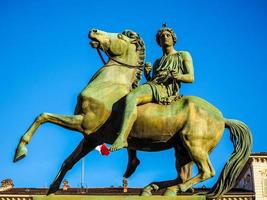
x=191, y=126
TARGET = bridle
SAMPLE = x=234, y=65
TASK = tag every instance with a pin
x=119, y=62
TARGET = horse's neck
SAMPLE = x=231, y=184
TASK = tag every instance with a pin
x=114, y=79
x=114, y=74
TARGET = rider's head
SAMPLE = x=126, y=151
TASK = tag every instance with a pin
x=166, y=35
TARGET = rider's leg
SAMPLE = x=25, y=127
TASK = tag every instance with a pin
x=140, y=95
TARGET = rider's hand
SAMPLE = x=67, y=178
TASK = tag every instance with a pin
x=147, y=67
x=175, y=75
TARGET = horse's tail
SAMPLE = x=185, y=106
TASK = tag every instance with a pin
x=242, y=140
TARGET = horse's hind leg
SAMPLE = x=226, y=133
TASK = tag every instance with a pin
x=184, y=166
x=72, y=122
x=133, y=163
x=205, y=169
x=183, y=163
x=85, y=146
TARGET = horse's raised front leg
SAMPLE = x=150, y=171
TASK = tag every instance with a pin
x=72, y=122
x=85, y=146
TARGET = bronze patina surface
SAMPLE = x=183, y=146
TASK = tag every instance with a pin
x=169, y=71
x=190, y=125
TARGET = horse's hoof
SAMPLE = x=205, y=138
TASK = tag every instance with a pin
x=132, y=165
x=147, y=190
x=192, y=190
x=181, y=188
x=170, y=192
x=21, y=152
x=52, y=190
x=146, y=193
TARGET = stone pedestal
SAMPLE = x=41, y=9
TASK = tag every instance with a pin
x=117, y=197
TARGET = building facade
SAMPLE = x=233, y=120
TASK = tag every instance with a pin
x=254, y=176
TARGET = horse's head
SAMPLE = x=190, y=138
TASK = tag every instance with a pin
x=126, y=48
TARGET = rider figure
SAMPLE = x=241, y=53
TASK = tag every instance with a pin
x=169, y=71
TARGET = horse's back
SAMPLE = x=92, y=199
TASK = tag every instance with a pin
x=203, y=104
x=159, y=123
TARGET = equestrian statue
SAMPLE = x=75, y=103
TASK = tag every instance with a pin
x=113, y=108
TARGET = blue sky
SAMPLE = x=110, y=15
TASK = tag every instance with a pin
x=45, y=61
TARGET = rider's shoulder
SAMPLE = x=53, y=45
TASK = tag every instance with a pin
x=186, y=55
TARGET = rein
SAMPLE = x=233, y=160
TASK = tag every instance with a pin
x=125, y=64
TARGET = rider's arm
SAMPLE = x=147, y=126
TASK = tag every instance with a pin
x=188, y=75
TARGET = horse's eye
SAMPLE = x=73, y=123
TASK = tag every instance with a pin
x=120, y=36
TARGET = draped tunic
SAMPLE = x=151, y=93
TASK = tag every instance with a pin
x=164, y=87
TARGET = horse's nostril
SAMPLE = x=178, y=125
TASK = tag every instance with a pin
x=92, y=31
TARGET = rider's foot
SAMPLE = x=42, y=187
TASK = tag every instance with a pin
x=119, y=143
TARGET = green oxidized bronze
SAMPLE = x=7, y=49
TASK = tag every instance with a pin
x=189, y=124
x=168, y=71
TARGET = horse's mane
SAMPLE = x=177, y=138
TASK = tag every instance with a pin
x=140, y=47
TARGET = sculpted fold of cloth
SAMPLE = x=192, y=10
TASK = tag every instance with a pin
x=169, y=71
x=165, y=87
